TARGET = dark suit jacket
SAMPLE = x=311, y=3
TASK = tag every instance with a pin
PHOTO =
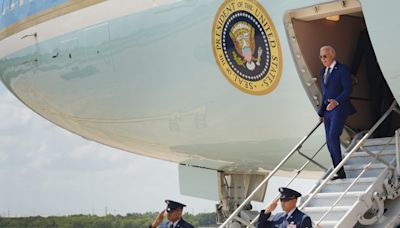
x=338, y=87
x=297, y=218
x=181, y=224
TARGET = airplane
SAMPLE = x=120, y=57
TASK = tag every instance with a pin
x=225, y=89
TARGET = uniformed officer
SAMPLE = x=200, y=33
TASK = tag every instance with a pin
x=291, y=217
x=174, y=216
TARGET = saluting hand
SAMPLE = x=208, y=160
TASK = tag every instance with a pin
x=271, y=207
x=159, y=219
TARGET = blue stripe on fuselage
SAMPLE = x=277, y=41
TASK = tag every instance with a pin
x=27, y=9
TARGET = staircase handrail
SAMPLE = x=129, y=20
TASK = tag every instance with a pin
x=289, y=182
x=353, y=142
x=366, y=167
x=348, y=156
x=249, y=197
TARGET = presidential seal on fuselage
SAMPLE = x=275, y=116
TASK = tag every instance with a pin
x=246, y=46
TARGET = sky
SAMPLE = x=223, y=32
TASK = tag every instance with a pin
x=46, y=170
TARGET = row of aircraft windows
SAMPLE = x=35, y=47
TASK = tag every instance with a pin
x=11, y=5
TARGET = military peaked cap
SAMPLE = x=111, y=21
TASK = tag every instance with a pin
x=172, y=205
x=287, y=193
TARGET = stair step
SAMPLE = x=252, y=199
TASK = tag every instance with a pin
x=332, y=191
x=378, y=148
x=328, y=223
x=379, y=141
x=336, y=213
x=357, y=167
x=329, y=198
x=323, y=209
x=364, y=158
x=341, y=184
x=354, y=170
x=365, y=154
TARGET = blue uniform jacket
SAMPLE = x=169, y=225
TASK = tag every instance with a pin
x=297, y=218
x=338, y=87
x=181, y=224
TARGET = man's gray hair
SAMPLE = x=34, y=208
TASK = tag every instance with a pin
x=330, y=48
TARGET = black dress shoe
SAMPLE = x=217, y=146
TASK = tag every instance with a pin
x=338, y=177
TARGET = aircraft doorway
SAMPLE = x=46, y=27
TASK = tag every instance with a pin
x=341, y=24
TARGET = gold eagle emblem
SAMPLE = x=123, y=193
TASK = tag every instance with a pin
x=243, y=38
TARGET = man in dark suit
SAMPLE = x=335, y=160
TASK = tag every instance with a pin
x=291, y=217
x=174, y=215
x=335, y=106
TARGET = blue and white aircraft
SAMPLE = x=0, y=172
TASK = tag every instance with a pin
x=223, y=88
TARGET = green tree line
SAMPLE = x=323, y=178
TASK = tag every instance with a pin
x=134, y=220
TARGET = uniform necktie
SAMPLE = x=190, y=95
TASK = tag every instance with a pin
x=326, y=76
x=285, y=222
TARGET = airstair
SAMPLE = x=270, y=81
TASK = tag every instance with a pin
x=359, y=199
x=368, y=197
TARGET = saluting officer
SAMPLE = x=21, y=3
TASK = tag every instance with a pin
x=291, y=217
x=174, y=216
